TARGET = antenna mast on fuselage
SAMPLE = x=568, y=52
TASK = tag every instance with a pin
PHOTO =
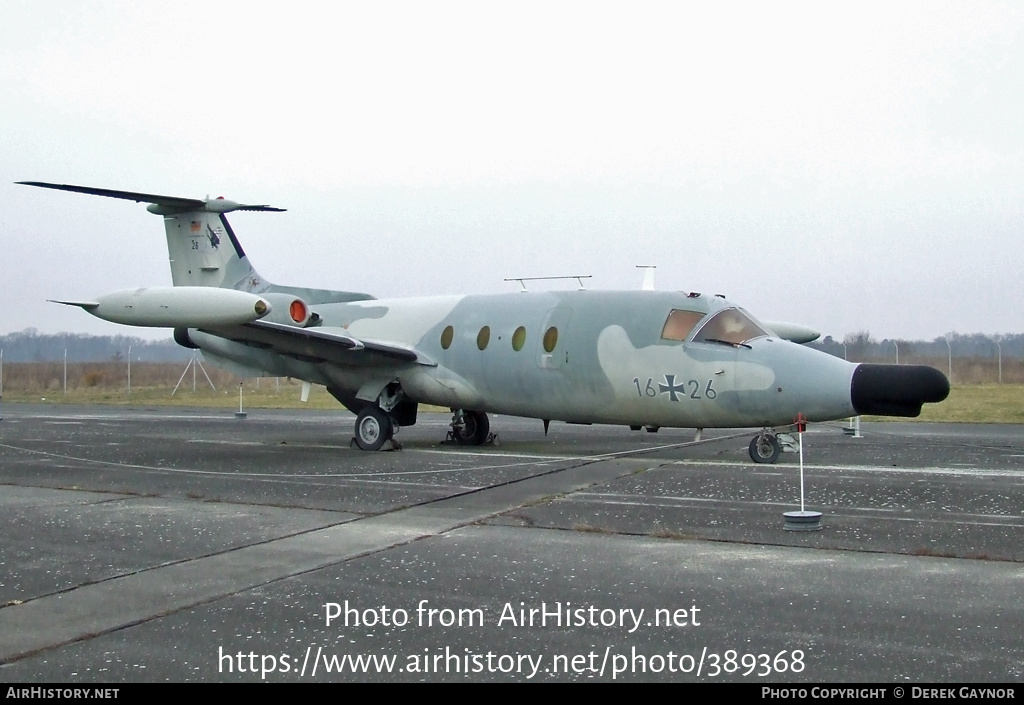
x=578, y=277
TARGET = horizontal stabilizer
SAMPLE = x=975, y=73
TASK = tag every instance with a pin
x=161, y=205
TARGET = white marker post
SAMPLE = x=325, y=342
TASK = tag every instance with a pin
x=240, y=414
x=802, y=520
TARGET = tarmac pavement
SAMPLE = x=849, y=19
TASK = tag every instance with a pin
x=160, y=544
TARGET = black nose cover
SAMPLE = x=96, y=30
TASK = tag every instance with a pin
x=896, y=390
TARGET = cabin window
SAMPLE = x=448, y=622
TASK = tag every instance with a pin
x=550, y=339
x=446, y=337
x=483, y=337
x=519, y=338
x=679, y=324
x=731, y=325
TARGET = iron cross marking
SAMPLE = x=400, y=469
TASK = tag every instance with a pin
x=671, y=388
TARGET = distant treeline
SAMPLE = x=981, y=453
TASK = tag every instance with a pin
x=30, y=346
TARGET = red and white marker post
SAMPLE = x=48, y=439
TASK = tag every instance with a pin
x=802, y=520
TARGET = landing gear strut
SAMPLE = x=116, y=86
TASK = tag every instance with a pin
x=470, y=428
x=765, y=447
x=374, y=428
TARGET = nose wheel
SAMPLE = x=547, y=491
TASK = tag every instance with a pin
x=765, y=448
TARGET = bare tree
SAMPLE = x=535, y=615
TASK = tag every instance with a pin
x=859, y=345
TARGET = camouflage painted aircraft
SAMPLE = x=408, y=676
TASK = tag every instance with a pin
x=645, y=359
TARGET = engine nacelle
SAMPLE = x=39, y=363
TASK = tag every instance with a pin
x=290, y=310
x=177, y=307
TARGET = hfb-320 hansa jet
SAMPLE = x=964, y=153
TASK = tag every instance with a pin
x=645, y=359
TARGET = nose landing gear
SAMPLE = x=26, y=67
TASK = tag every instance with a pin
x=765, y=447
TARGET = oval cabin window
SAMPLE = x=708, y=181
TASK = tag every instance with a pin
x=446, y=337
x=550, y=339
x=519, y=338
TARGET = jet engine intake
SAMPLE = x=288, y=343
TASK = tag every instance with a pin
x=290, y=310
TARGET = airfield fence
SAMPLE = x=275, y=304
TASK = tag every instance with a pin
x=106, y=382
x=968, y=371
x=40, y=377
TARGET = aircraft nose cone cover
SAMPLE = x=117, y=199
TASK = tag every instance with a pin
x=896, y=390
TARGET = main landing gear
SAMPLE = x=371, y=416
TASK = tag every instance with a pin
x=765, y=447
x=470, y=428
x=377, y=423
x=374, y=428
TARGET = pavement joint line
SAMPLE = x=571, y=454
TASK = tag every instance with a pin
x=528, y=460
x=222, y=473
x=723, y=505
x=923, y=553
x=679, y=499
x=87, y=611
x=929, y=470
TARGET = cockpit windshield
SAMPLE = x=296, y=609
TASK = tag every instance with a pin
x=732, y=326
x=679, y=324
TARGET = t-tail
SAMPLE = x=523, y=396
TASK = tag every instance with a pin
x=203, y=249
x=202, y=246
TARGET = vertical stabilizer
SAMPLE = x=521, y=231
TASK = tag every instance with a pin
x=204, y=251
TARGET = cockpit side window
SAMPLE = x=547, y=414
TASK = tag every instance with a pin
x=730, y=325
x=679, y=324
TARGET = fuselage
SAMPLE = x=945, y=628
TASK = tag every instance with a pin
x=582, y=356
x=640, y=358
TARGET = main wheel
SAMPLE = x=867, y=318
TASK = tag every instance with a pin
x=474, y=429
x=765, y=448
x=373, y=428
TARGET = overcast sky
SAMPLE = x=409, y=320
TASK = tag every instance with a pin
x=848, y=166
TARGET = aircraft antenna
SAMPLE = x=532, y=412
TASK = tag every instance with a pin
x=578, y=277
